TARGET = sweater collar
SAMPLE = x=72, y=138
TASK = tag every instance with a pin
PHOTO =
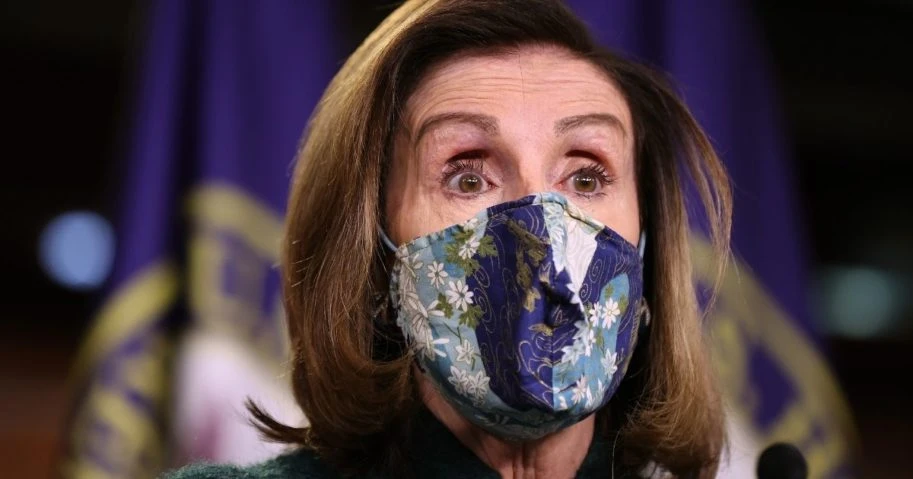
x=436, y=452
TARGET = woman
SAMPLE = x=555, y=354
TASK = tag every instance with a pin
x=486, y=259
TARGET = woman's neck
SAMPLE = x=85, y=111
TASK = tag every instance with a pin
x=558, y=455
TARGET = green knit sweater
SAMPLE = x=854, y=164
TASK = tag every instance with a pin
x=437, y=454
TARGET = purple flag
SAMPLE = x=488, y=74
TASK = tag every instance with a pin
x=224, y=90
x=776, y=381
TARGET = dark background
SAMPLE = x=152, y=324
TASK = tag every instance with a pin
x=845, y=79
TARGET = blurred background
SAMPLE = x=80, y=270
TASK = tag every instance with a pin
x=83, y=86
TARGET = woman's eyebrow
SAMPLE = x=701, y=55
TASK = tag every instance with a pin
x=565, y=125
x=486, y=123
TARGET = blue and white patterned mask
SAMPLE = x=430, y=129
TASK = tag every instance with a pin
x=524, y=317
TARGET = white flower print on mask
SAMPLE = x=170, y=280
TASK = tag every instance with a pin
x=426, y=345
x=595, y=315
x=471, y=386
x=608, y=362
x=478, y=387
x=469, y=248
x=459, y=379
x=584, y=338
x=437, y=274
x=408, y=273
x=465, y=352
x=610, y=313
x=458, y=295
x=412, y=264
x=581, y=392
x=409, y=303
x=573, y=352
x=419, y=327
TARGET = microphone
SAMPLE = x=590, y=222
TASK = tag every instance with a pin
x=782, y=461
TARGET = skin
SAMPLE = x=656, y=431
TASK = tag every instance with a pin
x=485, y=129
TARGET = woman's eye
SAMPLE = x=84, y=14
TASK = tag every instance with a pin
x=468, y=183
x=588, y=181
x=585, y=182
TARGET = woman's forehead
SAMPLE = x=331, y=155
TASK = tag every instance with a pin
x=534, y=82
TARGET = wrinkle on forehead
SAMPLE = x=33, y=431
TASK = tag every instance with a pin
x=510, y=79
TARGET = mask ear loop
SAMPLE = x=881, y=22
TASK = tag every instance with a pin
x=386, y=239
x=643, y=309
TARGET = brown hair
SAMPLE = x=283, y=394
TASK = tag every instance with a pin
x=351, y=374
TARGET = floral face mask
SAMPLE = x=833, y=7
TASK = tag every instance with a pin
x=524, y=317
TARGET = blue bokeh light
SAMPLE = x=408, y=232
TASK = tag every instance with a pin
x=860, y=302
x=77, y=249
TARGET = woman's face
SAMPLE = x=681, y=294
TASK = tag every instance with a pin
x=483, y=130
